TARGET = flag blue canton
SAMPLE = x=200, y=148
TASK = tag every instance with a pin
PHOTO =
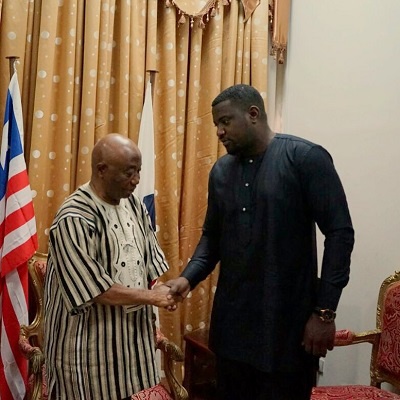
x=12, y=142
x=149, y=203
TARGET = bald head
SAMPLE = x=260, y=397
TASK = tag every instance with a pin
x=112, y=147
x=116, y=164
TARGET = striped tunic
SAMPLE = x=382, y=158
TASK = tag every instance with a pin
x=96, y=351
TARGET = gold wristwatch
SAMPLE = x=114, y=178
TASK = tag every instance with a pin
x=325, y=315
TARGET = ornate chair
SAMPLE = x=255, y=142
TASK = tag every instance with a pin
x=31, y=344
x=31, y=337
x=385, y=356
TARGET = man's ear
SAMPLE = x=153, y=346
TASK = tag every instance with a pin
x=254, y=112
x=101, y=168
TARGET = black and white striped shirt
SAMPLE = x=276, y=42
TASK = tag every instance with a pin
x=96, y=351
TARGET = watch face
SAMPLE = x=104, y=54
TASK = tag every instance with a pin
x=328, y=315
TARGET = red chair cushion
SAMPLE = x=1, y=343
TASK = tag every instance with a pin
x=389, y=351
x=351, y=392
x=158, y=392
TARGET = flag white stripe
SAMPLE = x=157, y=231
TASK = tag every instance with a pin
x=11, y=371
x=18, y=200
x=17, y=296
x=2, y=209
x=4, y=145
x=18, y=236
x=17, y=165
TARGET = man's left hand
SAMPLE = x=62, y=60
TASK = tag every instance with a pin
x=319, y=336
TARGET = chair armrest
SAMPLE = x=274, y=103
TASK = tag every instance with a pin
x=172, y=353
x=170, y=348
x=345, y=337
x=32, y=353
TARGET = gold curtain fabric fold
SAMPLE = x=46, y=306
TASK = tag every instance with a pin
x=279, y=21
x=249, y=7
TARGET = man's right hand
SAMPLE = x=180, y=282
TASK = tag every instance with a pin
x=161, y=297
x=179, y=288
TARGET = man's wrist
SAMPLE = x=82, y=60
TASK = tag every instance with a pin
x=325, y=314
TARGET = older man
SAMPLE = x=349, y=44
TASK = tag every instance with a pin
x=103, y=254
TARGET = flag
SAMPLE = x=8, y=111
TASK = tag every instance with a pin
x=18, y=243
x=145, y=189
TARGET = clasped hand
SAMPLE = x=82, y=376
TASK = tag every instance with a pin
x=173, y=291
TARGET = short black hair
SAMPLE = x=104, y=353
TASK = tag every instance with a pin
x=244, y=96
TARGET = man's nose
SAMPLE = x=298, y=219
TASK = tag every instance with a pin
x=136, y=178
x=220, y=131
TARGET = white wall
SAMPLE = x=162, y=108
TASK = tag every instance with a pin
x=342, y=90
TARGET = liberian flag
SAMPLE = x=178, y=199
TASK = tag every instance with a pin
x=145, y=189
x=18, y=243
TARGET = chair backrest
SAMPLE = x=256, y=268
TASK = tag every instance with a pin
x=37, y=272
x=385, y=358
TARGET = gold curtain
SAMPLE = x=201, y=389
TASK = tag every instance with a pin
x=279, y=22
x=83, y=73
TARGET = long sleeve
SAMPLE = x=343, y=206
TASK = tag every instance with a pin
x=206, y=254
x=327, y=200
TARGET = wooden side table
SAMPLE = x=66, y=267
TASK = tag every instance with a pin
x=200, y=375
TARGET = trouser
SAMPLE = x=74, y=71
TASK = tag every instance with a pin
x=240, y=381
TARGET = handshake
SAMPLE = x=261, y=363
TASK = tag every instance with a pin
x=168, y=294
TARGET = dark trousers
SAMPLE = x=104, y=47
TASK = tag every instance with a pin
x=240, y=381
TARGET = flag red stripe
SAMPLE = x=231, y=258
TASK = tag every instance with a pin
x=17, y=219
x=4, y=390
x=19, y=255
x=16, y=183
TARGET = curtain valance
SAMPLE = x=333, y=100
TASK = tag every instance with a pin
x=201, y=11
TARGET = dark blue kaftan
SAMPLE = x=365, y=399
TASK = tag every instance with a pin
x=260, y=225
